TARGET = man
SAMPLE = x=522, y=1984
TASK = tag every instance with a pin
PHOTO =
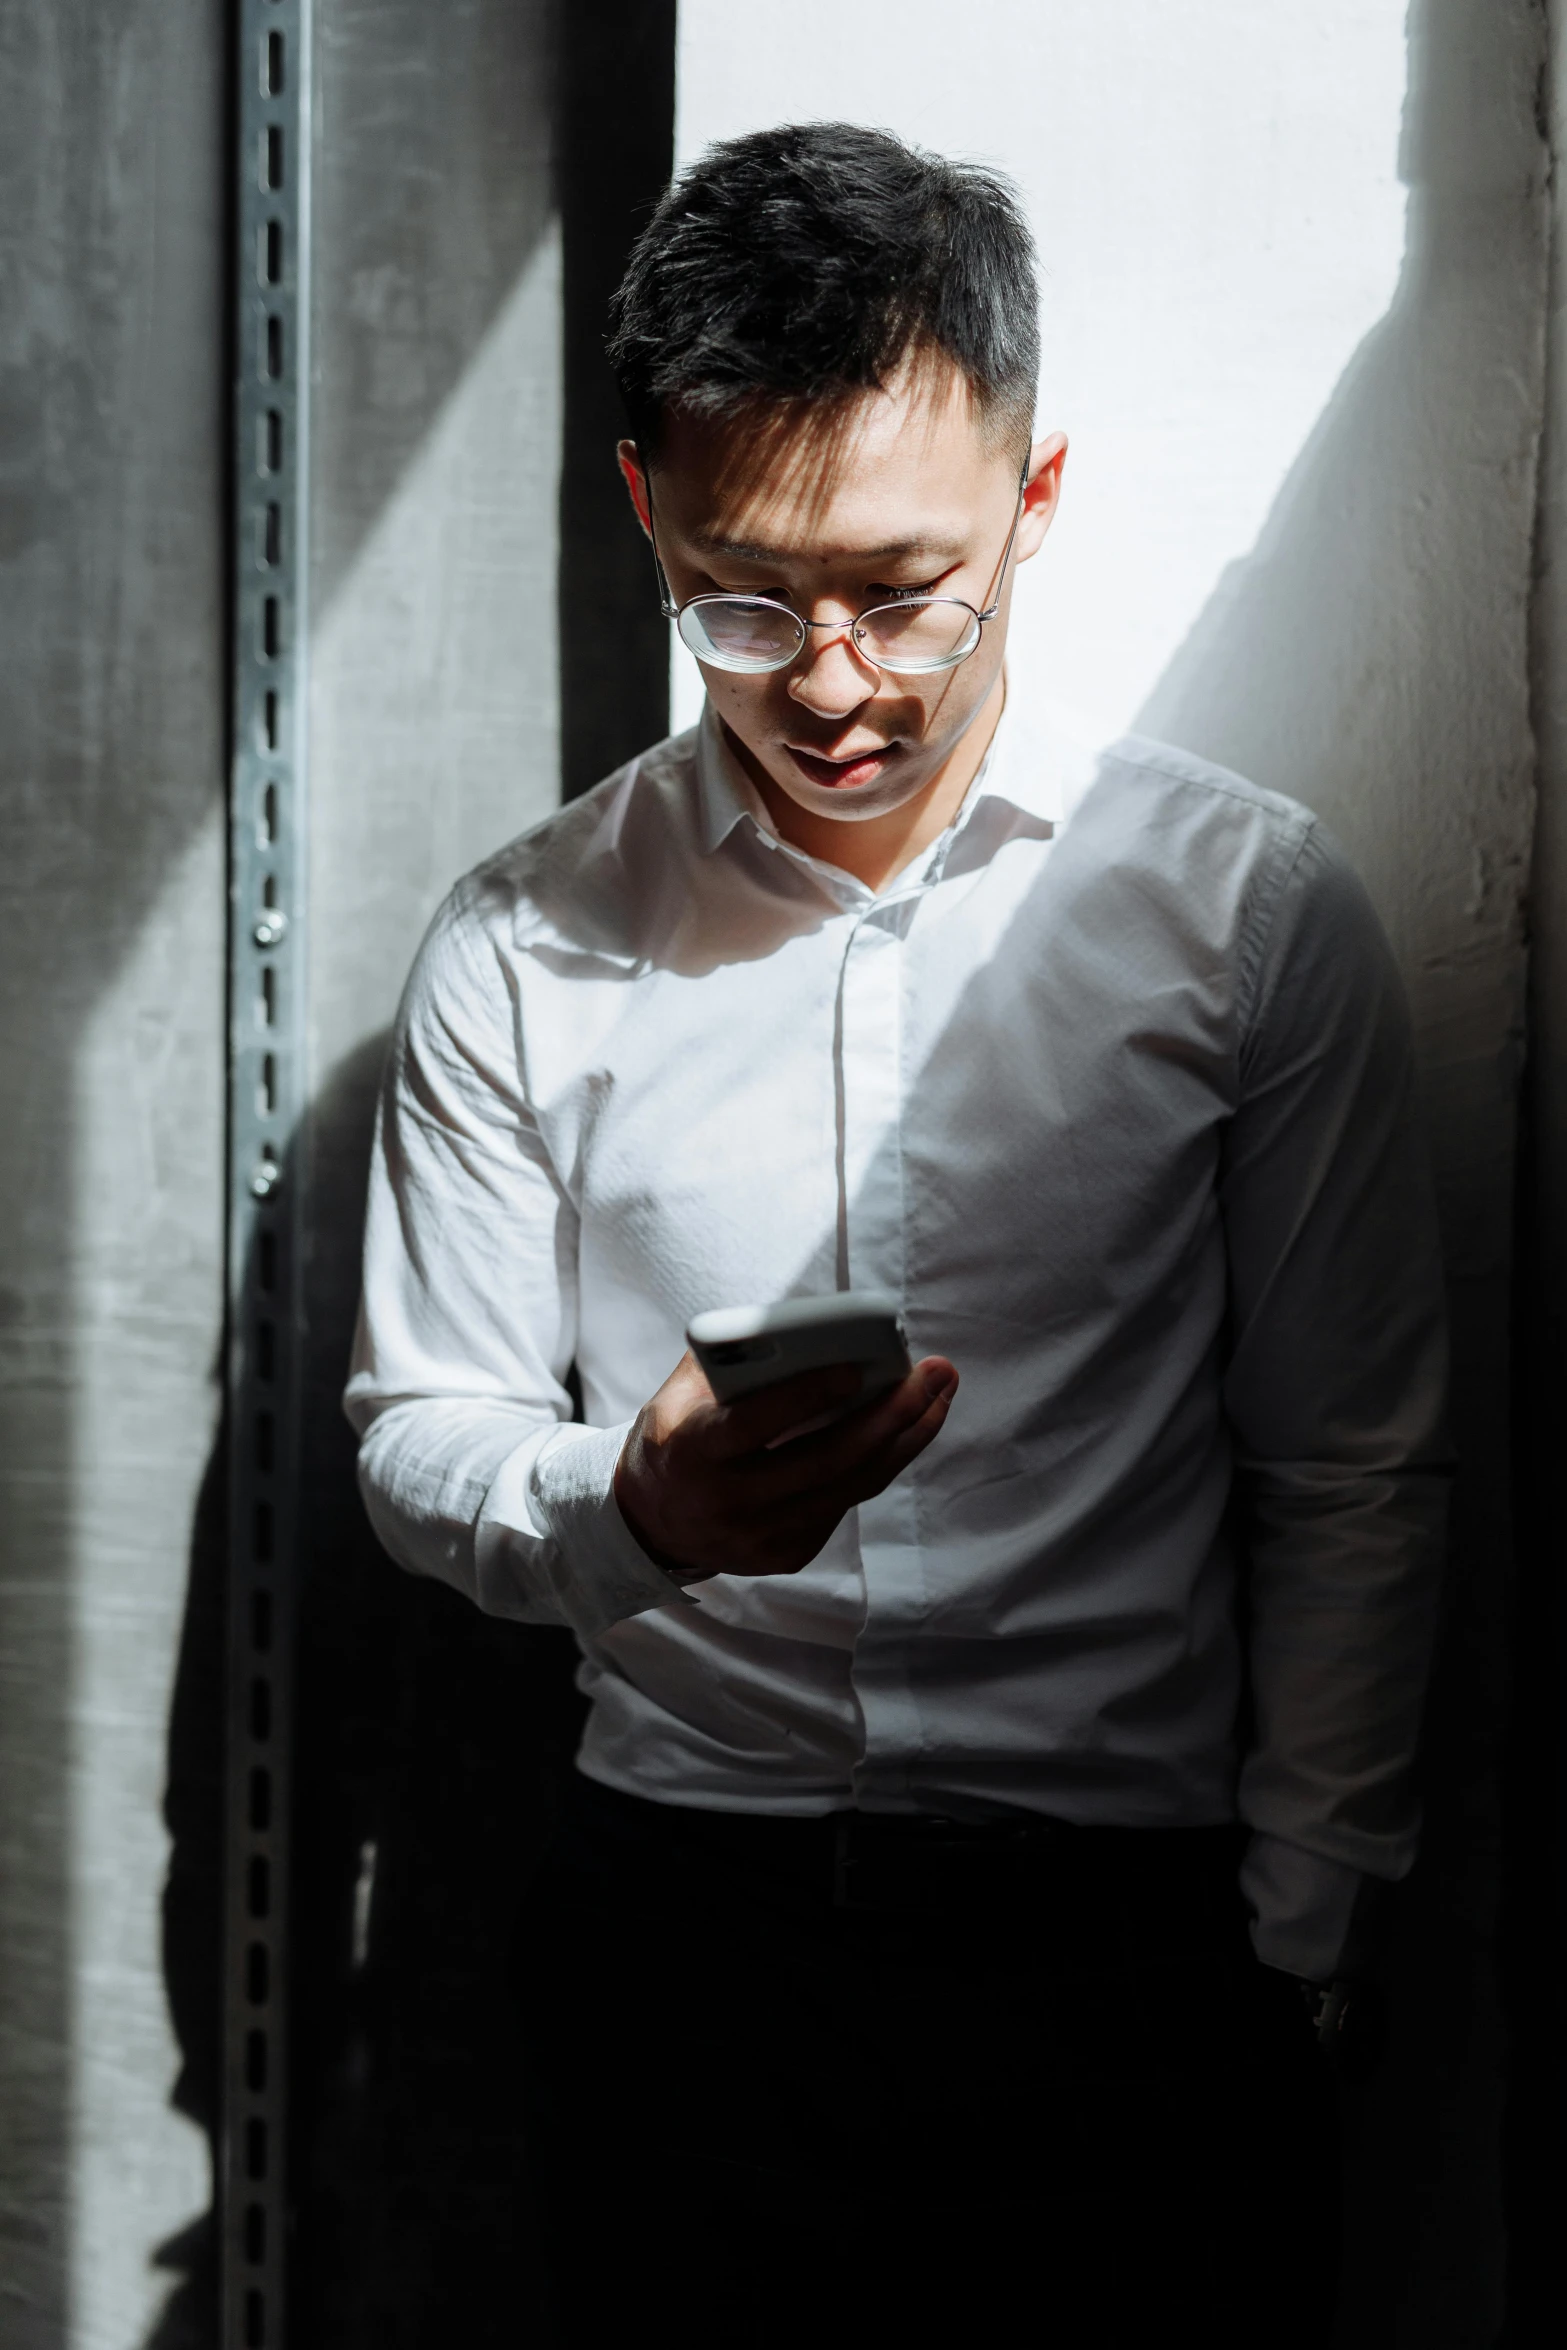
x=971, y=1785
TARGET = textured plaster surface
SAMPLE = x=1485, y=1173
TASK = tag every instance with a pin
x=112, y=429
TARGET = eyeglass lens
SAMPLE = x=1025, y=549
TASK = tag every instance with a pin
x=737, y=632
x=752, y=633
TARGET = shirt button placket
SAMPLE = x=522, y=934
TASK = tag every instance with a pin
x=872, y=1081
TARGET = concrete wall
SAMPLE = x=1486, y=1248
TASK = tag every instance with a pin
x=1294, y=285
x=112, y=587
x=433, y=738
x=1294, y=268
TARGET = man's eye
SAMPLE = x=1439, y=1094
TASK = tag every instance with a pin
x=879, y=593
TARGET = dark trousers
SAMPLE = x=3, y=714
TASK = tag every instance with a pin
x=867, y=2081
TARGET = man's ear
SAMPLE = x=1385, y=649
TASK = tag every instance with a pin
x=1041, y=493
x=635, y=480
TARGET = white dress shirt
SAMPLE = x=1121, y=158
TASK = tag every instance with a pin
x=1112, y=1086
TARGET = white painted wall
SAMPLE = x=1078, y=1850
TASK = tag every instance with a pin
x=1215, y=195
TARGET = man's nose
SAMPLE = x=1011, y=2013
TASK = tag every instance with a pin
x=831, y=676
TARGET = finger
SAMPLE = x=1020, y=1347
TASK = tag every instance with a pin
x=801, y=1520
x=832, y=1451
x=752, y=1420
x=878, y=1469
x=874, y=1471
x=816, y=1465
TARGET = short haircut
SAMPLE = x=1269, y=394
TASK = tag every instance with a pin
x=805, y=264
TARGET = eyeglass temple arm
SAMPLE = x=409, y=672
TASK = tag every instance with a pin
x=991, y=610
x=667, y=604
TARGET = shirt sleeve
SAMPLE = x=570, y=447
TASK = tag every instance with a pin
x=1335, y=1392
x=469, y=1464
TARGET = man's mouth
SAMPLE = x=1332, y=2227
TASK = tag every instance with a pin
x=847, y=774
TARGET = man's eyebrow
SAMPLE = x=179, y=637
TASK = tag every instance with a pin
x=751, y=551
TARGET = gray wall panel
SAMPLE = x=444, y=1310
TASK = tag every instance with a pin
x=112, y=590
x=427, y=1732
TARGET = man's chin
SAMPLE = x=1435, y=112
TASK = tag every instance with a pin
x=849, y=791
x=896, y=776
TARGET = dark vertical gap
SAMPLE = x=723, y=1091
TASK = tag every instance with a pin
x=1533, y=1936
x=1533, y=1925
x=1532, y=1941
x=615, y=151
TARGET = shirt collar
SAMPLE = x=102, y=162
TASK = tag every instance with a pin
x=1022, y=766
x=724, y=792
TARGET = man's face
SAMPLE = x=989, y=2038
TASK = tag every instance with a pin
x=832, y=511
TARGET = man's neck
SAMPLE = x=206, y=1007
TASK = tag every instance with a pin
x=879, y=847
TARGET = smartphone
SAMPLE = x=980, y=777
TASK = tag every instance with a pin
x=742, y=1348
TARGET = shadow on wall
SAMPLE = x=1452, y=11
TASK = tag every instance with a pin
x=431, y=191
x=429, y=1741
x=429, y=1738
x=1369, y=658
x=429, y=263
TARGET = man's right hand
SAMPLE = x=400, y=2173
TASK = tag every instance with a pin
x=708, y=1489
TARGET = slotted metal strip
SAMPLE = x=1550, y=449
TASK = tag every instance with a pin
x=266, y=1104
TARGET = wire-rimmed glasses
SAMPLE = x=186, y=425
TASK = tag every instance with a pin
x=912, y=636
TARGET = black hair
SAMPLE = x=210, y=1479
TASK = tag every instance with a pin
x=803, y=264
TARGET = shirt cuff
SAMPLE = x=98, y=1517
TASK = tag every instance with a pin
x=1303, y=1907
x=596, y=1571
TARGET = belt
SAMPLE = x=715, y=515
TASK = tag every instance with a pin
x=885, y=1863
x=891, y=1861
